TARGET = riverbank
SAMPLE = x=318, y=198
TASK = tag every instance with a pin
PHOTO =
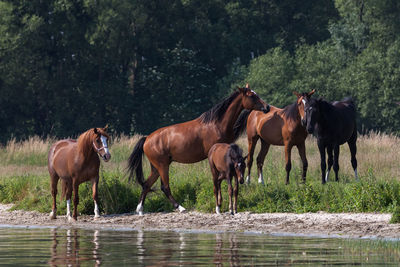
x=356, y=225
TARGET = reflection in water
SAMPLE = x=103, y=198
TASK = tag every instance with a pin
x=66, y=251
x=75, y=247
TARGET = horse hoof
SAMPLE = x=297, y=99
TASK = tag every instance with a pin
x=181, y=209
x=248, y=180
x=71, y=219
x=140, y=213
x=96, y=217
x=52, y=217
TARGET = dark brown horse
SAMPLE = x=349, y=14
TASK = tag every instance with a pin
x=226, y=161
x=189, y=142
x=75, y=162
x=333, y=124
x=279, y=127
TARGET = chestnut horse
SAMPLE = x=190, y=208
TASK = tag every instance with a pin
x=226, y=161
x=75, y=162
x=333, y=124
x=189, y=142
x=280, y=127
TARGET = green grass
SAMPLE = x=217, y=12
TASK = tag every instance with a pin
x=378, y=189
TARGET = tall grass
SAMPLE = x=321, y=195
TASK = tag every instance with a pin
x=24, y=180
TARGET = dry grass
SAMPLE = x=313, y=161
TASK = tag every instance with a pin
x=378, y=155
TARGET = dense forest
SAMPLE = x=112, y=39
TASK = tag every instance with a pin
x=66, y=65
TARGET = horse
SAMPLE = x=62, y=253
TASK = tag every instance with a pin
x=226, y=161
x=75, y=162
x=333, y=124
x=189, y=142
x=279, y=127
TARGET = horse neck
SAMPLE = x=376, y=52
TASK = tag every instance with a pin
x=326, y=113
x=85, y=147
x=231, y=115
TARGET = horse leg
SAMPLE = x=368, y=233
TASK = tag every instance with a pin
x=336, y=151
x=236, y=193
x=252, y=142
x=302, y=152
x=215, y=175
x=95, y=183
x=329, y=151
x=230, y=192
x=260, y=160
x=68, y=195
x=164, y=173
x=146, y=189
x=321, y=148
x=76, y=199
x=53, y=183
x=353, y=151
x=288, y=158
x=219, y=199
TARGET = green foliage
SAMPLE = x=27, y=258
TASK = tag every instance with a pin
x=396, y=215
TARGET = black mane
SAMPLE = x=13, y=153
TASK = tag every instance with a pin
x=215, y=113
x=235, y=153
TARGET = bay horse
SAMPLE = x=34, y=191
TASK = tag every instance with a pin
x=333, y=124
x=226, y=161
x=279, y=127
x=189, y=142
x=75, y=162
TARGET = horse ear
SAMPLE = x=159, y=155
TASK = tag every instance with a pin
x=106, y=127
x=296, y=94
x=95, y=131
x=311, y=93
x=247, y=86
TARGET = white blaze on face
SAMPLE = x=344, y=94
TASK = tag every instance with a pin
x=304, y=104
x=104, y=142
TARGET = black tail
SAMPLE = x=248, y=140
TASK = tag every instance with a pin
x=241, y=123
x=135, y=162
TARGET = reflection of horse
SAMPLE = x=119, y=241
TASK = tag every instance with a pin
x=333, y=124
x=189, y=142
x=280, y=127
x=72, y=254
x=76, y=162
x=226, y=161
x=220, y=259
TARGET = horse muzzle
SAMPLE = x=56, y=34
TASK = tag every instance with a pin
x=106, y=157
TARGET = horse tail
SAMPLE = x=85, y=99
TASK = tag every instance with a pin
x=135, y=162
x=241, y=123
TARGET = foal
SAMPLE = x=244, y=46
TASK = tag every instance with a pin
x=226, y=161
x=75, y=162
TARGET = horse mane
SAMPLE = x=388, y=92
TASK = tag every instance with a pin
x=241, y=123
x=216, y=112
x=291, y=111
x=85, y=141
x=234, y=152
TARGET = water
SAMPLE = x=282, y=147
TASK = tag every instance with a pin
x=79, y=247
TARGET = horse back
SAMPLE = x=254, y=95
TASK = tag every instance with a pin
x=344, y=120
x=60, y=156
x=217, y=157
x=186, y=142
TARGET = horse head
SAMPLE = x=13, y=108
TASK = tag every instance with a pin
x=312, y=114
x=240, y=167
x=251, y=101
x=100, y=143
x=302, y=100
